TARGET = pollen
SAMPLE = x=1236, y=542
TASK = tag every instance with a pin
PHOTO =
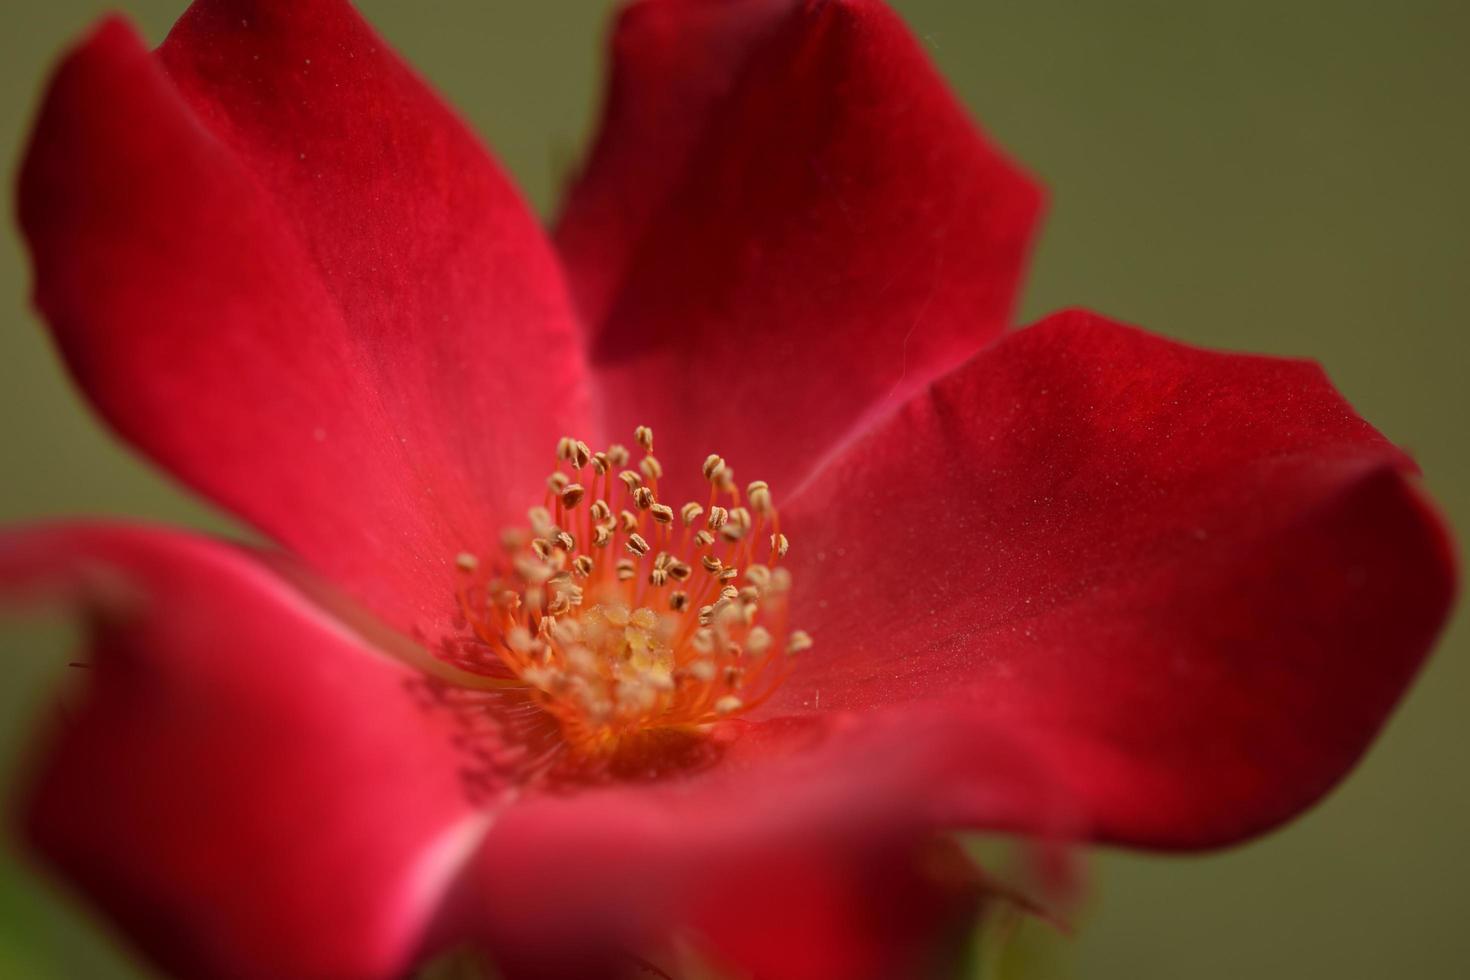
x=617, y=621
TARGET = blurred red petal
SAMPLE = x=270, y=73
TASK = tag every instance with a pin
x=809, y=853
x=246, y=787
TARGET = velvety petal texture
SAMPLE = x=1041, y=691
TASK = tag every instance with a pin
x=245, y=786
x=1192, y=583
x=278, y=265
x=787, y=224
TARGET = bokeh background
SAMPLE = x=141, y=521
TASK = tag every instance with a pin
x=1275, y=175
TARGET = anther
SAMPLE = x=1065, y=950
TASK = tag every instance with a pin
x=631, y=480
x=637, y=544
x=617, y=454
x=728, y=705
x=626, y=569
x=703, y=539
x=643, y=435
x=711, y=564
x=651, y=467
x=581, y=453
x=558, y=481
x=678, y=600
x=643, y=498
x=600, y=510
x=690, y=513
x=717, y=517
x=466, y=561
x=572, y=495
x=540, y=519
x=798, y=642
x=714, y=467
x=662, y=513
x=759, y=495
x=583, y=565
x=627, y=521
x=779, y=545
x=564, y=448
x=601, y=536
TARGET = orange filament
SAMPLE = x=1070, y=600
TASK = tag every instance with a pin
x=623, y=616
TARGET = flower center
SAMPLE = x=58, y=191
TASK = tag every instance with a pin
x=625, y=618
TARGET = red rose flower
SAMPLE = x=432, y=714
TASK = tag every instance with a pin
x=1071, y=580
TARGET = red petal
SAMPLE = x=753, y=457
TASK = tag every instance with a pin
x=244, y=786
x=279, y=266
x=787, y=222
x=802, y=856
x=1195, y=583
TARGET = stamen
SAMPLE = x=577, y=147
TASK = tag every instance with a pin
x=614, y=647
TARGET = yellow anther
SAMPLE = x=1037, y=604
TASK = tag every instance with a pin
x=779, y=545
x=651, y=468
x=573, y=494
x=643, y=435
x=643, y=498
x=798, y=642
x=690, y=513
x=714, y=468
x=662, y=513
x=466, y=561
x=637, y=544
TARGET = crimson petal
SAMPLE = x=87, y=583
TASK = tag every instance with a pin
x=787, y=223
x=244, y=785
x=809, y=853
x=278, y=265
x=1194, y=583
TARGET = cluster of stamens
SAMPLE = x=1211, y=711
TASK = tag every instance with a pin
x=621, y=615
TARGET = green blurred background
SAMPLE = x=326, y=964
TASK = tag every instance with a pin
x=1283, y=177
